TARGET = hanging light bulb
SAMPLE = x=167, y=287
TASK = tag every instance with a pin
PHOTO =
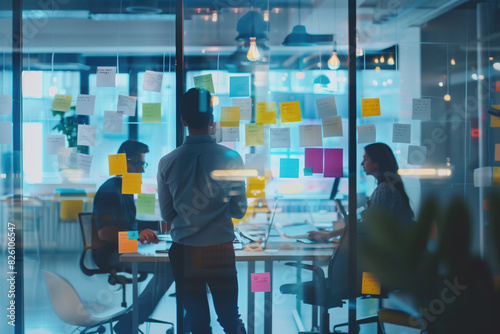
x=382, y=59
x=390, y=60
x=447, y=97
x=334, y=62
x=215, y=101
x=253, y=53
x=215, y=16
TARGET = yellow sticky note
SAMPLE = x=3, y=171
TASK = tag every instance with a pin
x=131, y=183
x=290, y=111
x=256, y=186
x=125, y=244
x=61, y=103
x=117, y=164
x=230, y=117
x=370, y=107
x=495, y=121
x=254, y=134
x=151, y=113
x=146, y=204
x=496, y=176
x=266, y=113
x=497, y=152
x=370, y=284
x=205, y=82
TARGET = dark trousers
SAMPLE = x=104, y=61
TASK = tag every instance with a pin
x=196, y=267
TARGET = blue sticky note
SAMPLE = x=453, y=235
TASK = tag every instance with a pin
x=308, y=171
x=133, y=235
x=289, y=168
x=239, y=86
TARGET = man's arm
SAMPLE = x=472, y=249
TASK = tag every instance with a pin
x=238, y=202
x=165, y=198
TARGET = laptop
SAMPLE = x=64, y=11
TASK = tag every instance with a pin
x=245, y=240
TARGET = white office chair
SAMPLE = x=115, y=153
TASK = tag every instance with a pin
x=72, y=310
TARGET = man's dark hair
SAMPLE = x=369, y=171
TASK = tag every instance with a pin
x=133, y=148
x=197, y=109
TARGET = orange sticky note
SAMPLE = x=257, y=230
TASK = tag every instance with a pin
x=370, y=285
x=254, y=134
x=498, y=86
x=131, y=183
x=266, y=113
x=256, y=186
x=370, y=107
x=125, y=244
x=497, y=152
x=117, y=164
x=230, y=117
x=290, y=112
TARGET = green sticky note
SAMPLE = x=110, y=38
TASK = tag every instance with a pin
x=151, y=113
x=61, y=103
x=308, y=171
x=145, y=204
x=205, y=82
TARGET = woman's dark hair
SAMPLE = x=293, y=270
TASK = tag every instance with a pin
x=382, y=155
x=197, y=109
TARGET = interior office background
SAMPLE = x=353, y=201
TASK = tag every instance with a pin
x=445, y=51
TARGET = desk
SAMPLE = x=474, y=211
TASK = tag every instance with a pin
x=268, y=256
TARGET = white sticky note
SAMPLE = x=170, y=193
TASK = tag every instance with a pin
x=113, y=121
x=68, y=158
x=152, y=81
x=86, y=135
x=230, y=134
x=417, y=155
x=332, y=127
x=84, y=162
x=217, y=134
x=106, y=76
x=258, y=162
x=483, y=176
x=5, y=104
x=280, y=138
x=5, y=132
x=310, y=135
x=401, y=133
x=54, y=144
x=85, y=104
x=366, y=134
x=421, y=109
x=126, y=105
x=326, y=107
x=245, y=105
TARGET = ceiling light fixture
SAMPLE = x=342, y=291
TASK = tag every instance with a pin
x=390, y=60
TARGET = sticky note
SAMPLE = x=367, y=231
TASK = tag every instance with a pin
x=61, y=103
x=332, y=127
x=117, y=164
x=495, y=121
x=254, y=134
x=84, y=162
x=497, y=88
x=131, y=183
x=314, y=159
x=280, y=137
x=370, y=285
x=125, y=244
x=205, y=82
x=106, y=76
x=366, y=134
x=67, y=158
x=151, y=113
x=126, y=105
x=113, y=121
x=133, y=235
x=497, y=152
x=486, y=202
x=230, y=134
x=256, y=187
x=152, y=81
x=290, y=111
x=421, y=109
x=229, y=117
x=401, y=133
x=496, y=176
x=310, y=135
x=483, y=177
x=308, y=171
x=5, y=133
x=146, y=204
x=326, y=107
x=289, y=168
x=266, y=113
x=334, y=162
x=417, y=155
x=85, y=104
x=54, y=144
x=260, y=282
x=86, y=135
x=245, y=105
x=370, y=107
x=258, y=162
x=239, y=86
x=5, y=104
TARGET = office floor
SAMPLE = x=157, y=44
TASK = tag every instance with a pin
x=41, y=319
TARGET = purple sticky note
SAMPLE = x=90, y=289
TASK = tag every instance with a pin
x=314, y=159
x=333, y=162
x=260, y=282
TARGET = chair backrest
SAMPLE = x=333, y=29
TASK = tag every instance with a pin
x=90, y=241
x=66, y=302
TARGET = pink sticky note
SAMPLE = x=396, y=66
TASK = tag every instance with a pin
x=333, y=162
x=314, y=159
x=261, y=282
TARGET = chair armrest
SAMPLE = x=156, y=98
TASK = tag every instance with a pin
x=320, y=274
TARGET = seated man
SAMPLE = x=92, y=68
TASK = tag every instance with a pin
x=114, y=212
